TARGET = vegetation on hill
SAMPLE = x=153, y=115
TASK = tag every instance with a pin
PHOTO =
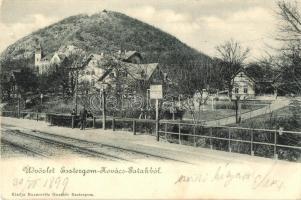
x=109, y=32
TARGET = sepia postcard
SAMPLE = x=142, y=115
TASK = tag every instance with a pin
x=138, y=99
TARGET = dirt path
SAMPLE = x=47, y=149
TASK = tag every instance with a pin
x=275, y=105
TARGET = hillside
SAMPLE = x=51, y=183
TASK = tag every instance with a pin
x=107, y=32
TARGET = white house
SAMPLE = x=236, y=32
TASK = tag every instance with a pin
x=92, y=71
x=242, y=85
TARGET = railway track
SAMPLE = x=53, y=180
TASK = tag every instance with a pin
x=21, y=149
x=51, y=148
x=94, y=149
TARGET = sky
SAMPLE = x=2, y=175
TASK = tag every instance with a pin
x=202, y=24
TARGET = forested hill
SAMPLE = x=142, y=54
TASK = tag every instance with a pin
x=107, y=32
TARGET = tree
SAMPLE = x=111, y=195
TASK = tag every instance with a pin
x=232, y=56
x=290, y=52
x=290, y=18
x=27, y=83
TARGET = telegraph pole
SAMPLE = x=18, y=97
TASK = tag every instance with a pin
x=75, y=92
x=19, y=105
x=103, y=96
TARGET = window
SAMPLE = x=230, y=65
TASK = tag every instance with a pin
x=236, y=90
x=245, y=90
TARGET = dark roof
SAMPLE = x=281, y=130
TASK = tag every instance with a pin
x=245, y=72
x=141, y=71
x=259, y=77
x=136, y=71
x=128, y=54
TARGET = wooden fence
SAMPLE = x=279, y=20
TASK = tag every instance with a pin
x=259, y=142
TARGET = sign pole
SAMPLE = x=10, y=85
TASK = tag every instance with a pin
x=156, y=93
x=157, y=119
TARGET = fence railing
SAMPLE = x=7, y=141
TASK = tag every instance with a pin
x=260, y=142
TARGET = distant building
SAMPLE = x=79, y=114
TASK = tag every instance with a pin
x=242, y=85
x=48, y=64
x=249, y=85
x=43, y=64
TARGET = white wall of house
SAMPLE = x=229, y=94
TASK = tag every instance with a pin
x=243, y=86
x=92, y=71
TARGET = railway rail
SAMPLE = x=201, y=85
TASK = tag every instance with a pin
x=94, y=149
x=21, y=149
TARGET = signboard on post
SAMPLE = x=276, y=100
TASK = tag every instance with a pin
x=156, y=92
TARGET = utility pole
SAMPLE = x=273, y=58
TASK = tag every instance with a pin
x=41, y=99
x=18, y=105
x=173, y=109
x=75, y=92
x=103, y=96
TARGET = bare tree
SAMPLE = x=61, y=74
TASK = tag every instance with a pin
x=232, y=55
x=232, y=52
x=290, y=18
x=290, y=53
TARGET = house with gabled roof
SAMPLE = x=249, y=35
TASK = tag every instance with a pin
x=243, y=85
x=131, y=73
x=248, y=85
x=93, y=70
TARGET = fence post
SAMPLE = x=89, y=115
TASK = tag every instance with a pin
x=252, y=139
x=275, y=145
x=94, y=121
x=194, y=127
x=210, y=131
x=179, y=133
x=72, y=121
x=134, y=127
x=229, y=141
x=165, y=131
x=37, y=116
x=23, y=116
x=113, y=124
